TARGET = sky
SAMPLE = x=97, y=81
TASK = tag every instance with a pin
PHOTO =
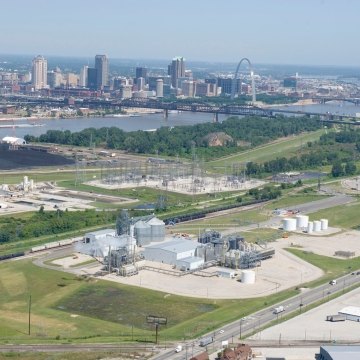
x=304, y=32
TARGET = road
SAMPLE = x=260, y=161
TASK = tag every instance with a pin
x=253, y=323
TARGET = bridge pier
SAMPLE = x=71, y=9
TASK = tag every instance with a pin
x=166, y=114
x=216, y=117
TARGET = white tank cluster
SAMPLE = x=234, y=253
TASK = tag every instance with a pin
x=317, y=225
x=302, y=223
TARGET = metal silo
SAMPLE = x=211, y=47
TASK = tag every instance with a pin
x=142, y=232
x=157, y=229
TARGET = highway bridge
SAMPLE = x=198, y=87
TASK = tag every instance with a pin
x=175, y=105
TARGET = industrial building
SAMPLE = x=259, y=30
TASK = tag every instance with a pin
x=351, y=313
x=101, y=243
x=339, y=352
x=178, y=252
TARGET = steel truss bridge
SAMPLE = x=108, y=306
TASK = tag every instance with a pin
x=176, y=105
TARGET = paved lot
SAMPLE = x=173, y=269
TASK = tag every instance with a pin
x=312, y=325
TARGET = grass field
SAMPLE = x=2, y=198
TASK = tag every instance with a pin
x=332, y=267
x=80, y=309
x=344, y=216
x=282, y=147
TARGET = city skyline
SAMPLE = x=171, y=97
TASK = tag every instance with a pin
x=308, y=32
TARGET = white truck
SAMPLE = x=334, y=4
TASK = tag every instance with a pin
x=279, y=309
x=178, y=348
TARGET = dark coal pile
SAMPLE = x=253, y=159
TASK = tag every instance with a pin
x=26, y=158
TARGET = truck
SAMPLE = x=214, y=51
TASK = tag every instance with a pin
x=335, y=318
x=279, y=309
x=178, y=348
x=206, y=341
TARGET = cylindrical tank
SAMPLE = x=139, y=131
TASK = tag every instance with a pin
x=317, y=225
x=248, y=277
x=310, y=227
x=302, y=221
x=142, y=233
x=157, y=229
x=289, y=224
x=324, y=224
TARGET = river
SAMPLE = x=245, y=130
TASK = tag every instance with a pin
x=150, y=121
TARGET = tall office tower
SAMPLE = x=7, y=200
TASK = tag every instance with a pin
x=91, y=78
x=159, y=88
x=141, y=72
x=102, y=69
x=176, y=70
x=140, y=82
x=83, y=76
x=39, y=72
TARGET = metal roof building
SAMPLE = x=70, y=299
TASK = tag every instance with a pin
x=170, y=252
x=351, y=313
x=339, y=352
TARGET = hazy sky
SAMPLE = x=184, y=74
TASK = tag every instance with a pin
x=318, y=32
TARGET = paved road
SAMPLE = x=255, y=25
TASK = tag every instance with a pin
x=255, y=322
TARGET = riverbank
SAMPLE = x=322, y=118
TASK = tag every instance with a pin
x=298, y=103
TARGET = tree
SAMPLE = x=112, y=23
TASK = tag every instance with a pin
x=337, y=170
x=350, y=168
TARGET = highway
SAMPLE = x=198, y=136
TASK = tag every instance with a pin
x=254, y=322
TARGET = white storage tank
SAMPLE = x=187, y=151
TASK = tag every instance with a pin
x=324, y=224
x=317, y=225
x=248, y=277
x=302, y=221
x=289, y=224
x=310, y=227
x=157, y=229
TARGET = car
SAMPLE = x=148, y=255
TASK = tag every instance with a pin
x=221, y=331
x=358, y=273
x=332, y=282
x=352, y=273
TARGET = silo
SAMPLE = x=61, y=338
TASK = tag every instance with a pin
x=248, y=277
x=317, y=225
x=289, y=224
x=142, y=233
x=302, y=221
x=310, y=227
x=157, y=229
x=324, y=224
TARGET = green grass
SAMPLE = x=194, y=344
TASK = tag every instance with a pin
x=344, y=216
x=283, y=147
x=332, y=267
x=293, y=200
x=234, y=220
x=106, y=311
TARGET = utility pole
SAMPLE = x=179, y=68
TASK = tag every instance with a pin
x=29, y=332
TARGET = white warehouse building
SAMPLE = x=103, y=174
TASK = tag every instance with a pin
x=178, y=252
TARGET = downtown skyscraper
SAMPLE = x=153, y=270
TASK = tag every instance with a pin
x=102, y=71
x=39, y=72
x=176, y=70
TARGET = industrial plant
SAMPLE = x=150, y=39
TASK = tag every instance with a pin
x=139, y=243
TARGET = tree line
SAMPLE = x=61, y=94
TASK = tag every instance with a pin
x=245, y=132
x=338, y=149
